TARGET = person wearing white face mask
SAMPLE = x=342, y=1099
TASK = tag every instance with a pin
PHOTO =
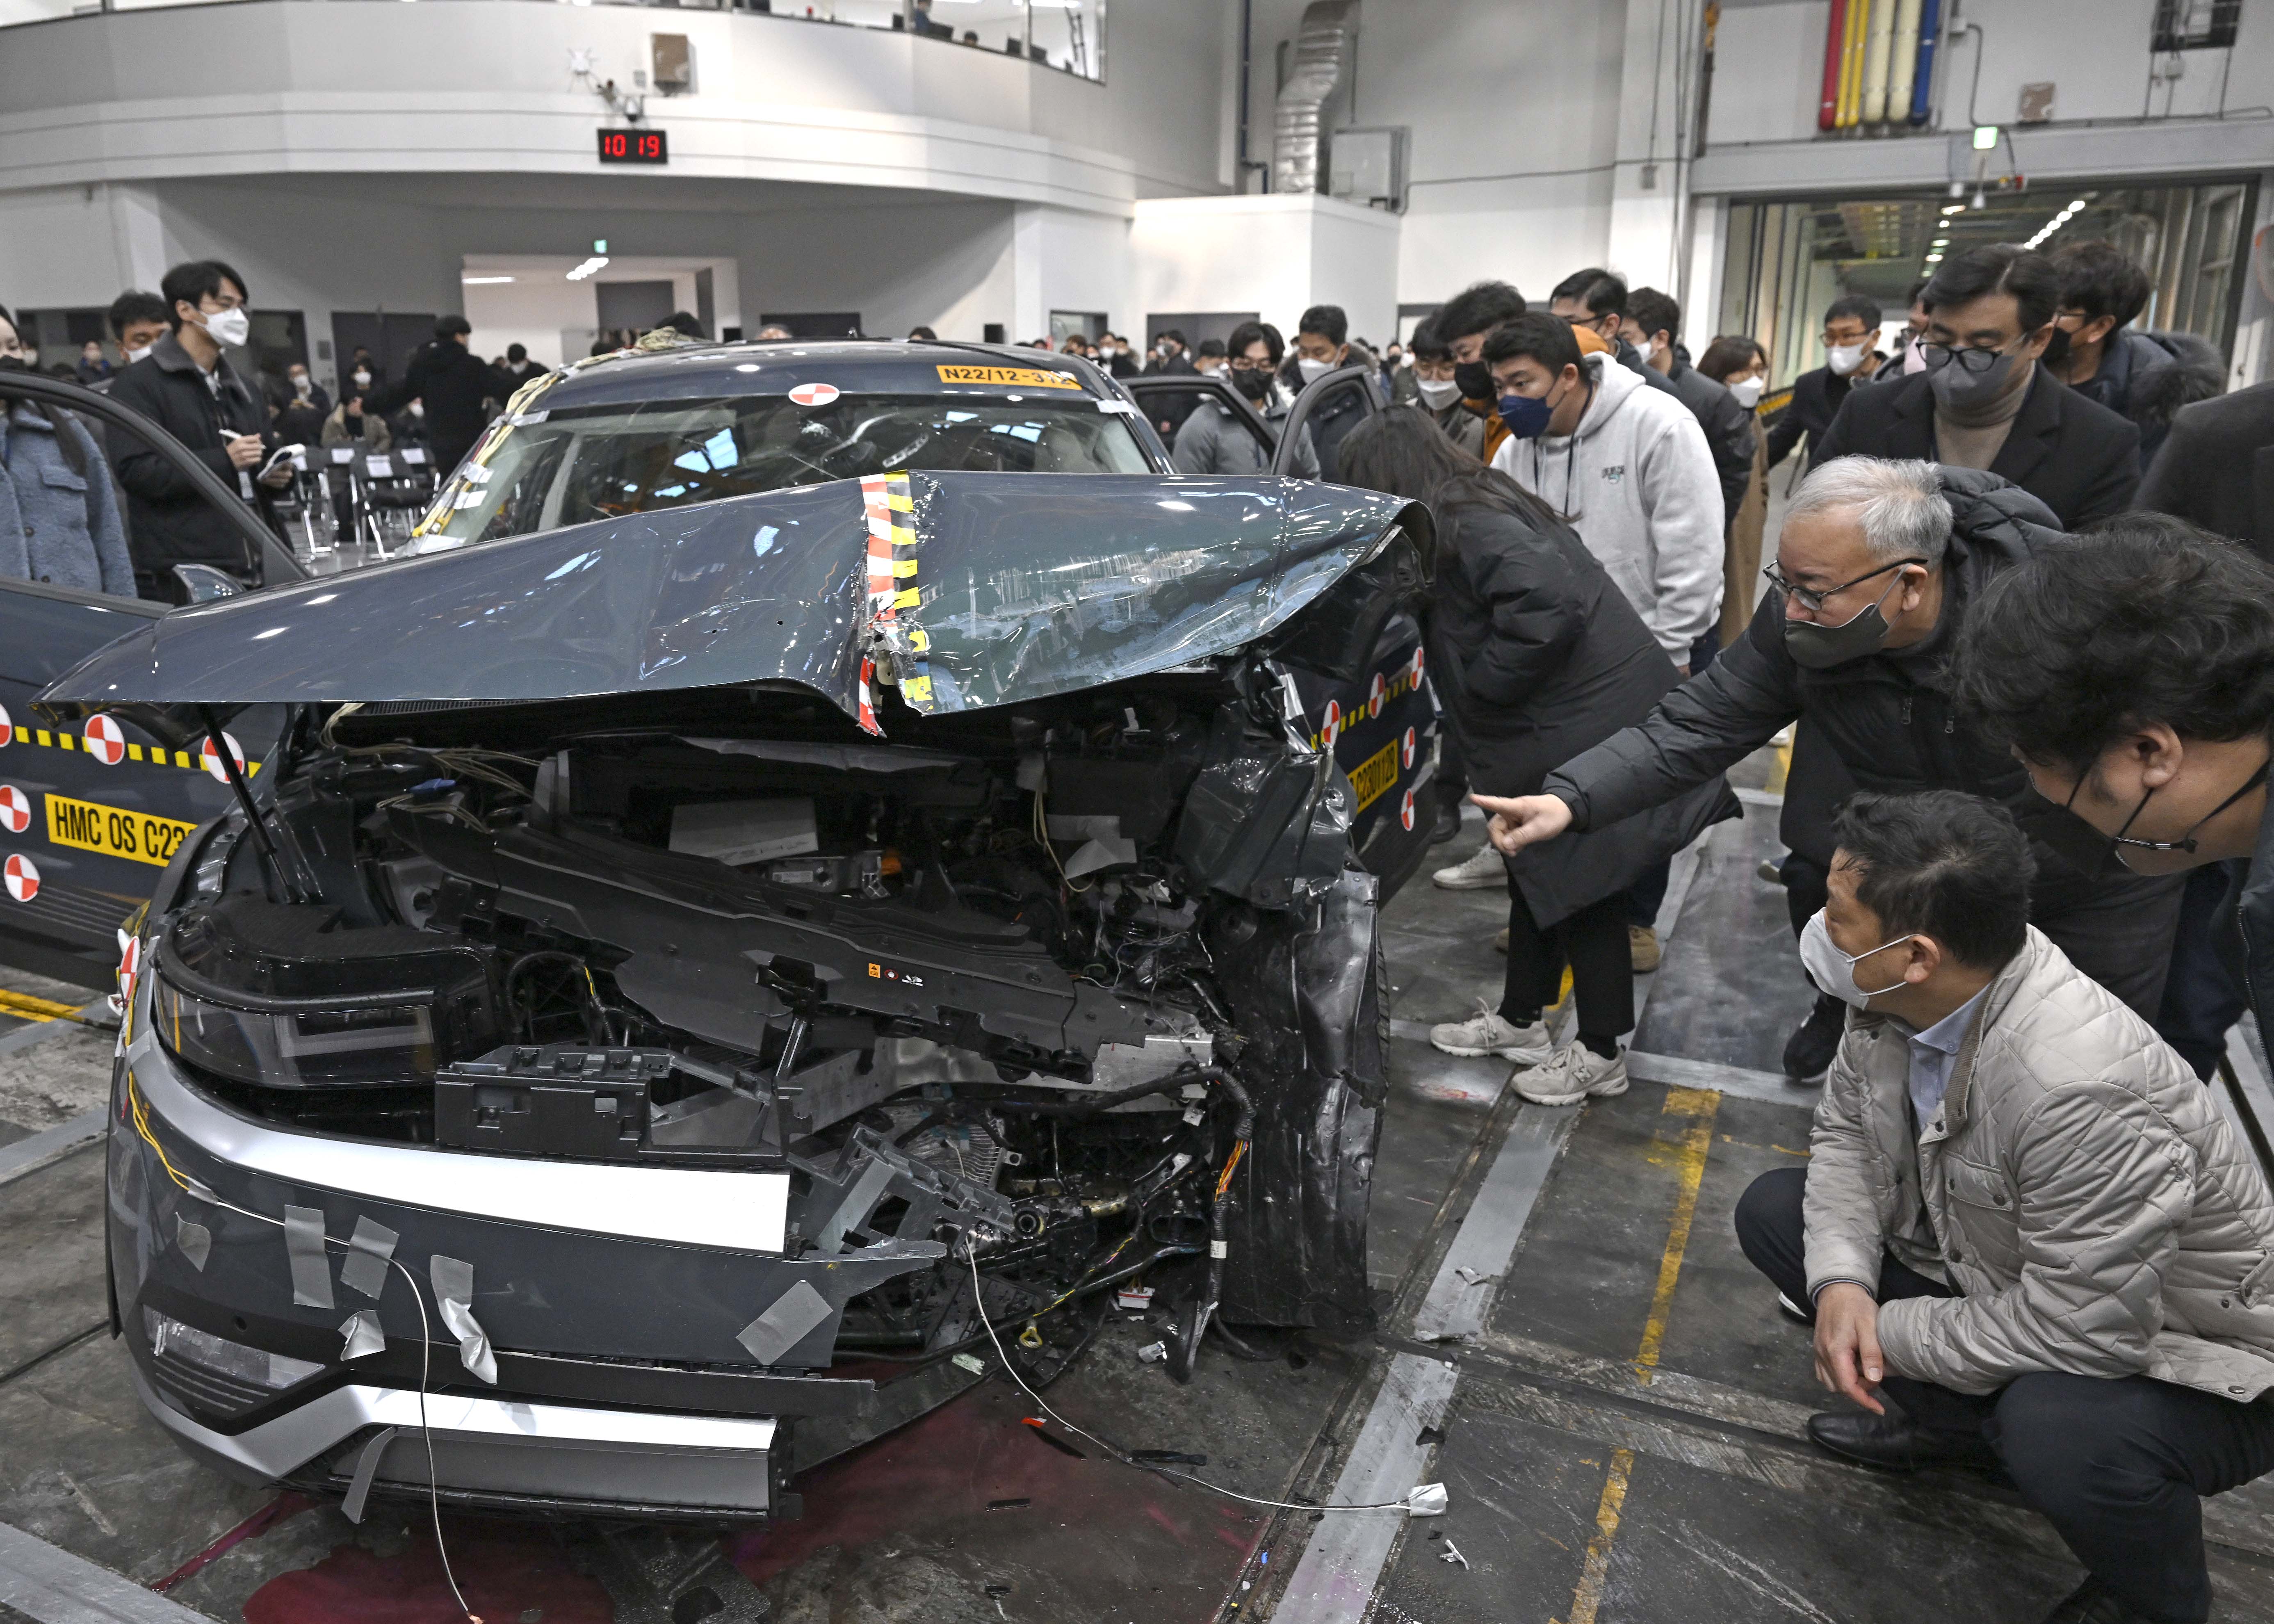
x=191, y=390
x=1322, y=345
x=138, y=320
x=1850, y=324
x=1437, y=390
x=2026, y=1237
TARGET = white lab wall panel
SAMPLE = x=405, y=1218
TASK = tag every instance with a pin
x=1279, y=255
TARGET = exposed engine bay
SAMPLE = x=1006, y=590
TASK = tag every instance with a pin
x=1066, y=990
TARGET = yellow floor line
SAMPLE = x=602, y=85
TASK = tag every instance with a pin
x=23, y=1006
x=1596, y=1566
x=1700, y=1105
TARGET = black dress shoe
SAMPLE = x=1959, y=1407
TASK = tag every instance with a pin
x=1892, y=1441
x=2090, y=1603
x=1447, y=823
x=1808, y=1052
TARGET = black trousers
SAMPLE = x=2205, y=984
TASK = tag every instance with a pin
x=2120, y=932
x=1593, y=941
x=2119, y=1466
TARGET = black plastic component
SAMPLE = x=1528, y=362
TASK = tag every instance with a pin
x=550, y=1100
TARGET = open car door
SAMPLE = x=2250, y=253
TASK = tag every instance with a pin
x=1169, y=400
x=89, y=820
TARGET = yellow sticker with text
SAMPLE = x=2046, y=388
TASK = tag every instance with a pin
x=1016, y=377
x=1375, y=775
x=115, y=832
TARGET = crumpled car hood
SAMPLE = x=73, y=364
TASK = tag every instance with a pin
x=970, y=589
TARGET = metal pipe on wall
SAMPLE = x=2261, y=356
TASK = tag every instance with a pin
x=1903, y=64
x=1827, y=109
x=1878, y=48
x=1930, y=35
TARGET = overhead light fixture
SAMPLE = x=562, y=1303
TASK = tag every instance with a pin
x=1934, y=258
x=1985, y=136
x=588, y=268
x=481, y=281
x=2077, y=208
x=1954, y=209
x=1939, y=242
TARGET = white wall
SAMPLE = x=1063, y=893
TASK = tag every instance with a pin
x=1278, y=254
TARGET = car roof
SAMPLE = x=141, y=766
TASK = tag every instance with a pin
x=776, y=366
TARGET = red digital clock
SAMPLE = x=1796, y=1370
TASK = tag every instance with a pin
x=634, y=146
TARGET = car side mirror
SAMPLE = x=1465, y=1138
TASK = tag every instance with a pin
x=204, y=584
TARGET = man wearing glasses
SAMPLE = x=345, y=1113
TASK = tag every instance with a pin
x=1851, y=357
x=1984, y=401
x=1876, y=568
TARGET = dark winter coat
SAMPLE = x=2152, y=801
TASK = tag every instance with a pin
x=168, y=520
x=2147, y=377
x=2078, y=459
x=1817, y=398
x=1887, y=716
x=1337, y=414
x=453, y=382
x=1538, y=656
x=59, y=519
x=1728, y=429
x=2216, y=469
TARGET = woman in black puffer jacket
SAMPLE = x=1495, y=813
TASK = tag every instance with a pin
x=1537, y=656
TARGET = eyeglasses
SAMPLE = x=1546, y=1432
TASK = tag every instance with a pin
x=1968, y=358
x=1242, y=364
x=1812, y=600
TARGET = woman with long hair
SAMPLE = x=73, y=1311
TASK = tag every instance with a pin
x=1537, y=656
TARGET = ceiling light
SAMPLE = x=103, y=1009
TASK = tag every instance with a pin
x=1941, y=242
x=2076, y=207
x=1934, y=258
x=1954, y=208
x=481, y=281
x=588, y=268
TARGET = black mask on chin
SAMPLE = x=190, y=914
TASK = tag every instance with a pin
x=1476, y=381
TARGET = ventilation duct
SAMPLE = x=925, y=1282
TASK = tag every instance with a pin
x=1323, y=50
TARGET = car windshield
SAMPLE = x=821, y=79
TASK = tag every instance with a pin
x=580, y=464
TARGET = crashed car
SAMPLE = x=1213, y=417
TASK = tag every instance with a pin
x=687, y=992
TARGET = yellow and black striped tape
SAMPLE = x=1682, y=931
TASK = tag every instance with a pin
x=155, y=755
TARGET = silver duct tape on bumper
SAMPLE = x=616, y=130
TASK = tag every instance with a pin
x=499, y=1447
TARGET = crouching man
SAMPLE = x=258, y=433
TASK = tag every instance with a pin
x=2024, y=1228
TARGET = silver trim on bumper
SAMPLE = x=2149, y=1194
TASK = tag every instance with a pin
x=486, y=1445
x=733, y=1212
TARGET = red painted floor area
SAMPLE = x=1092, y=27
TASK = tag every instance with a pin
x=507, y=1571
x=1095, y=1538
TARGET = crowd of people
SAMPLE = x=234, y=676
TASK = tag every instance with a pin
x=2017, y=624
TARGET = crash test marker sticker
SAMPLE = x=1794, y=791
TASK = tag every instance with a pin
x=105, y=740
x=15, y=808
x=1405, y=748
x=1405, y=810
x=814, y=393
x=1018, y=377
x=1373, y=696
x=211, y=762
x=23, y=877
x=1417, y=665
x=7, y=728
x=1330, y=725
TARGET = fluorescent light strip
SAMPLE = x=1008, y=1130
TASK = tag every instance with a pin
x=481, y=281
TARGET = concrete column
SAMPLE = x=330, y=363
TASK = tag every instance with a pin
x=1645, y=216
x=137, y=236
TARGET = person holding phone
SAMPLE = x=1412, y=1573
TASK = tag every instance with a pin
x=194, y=393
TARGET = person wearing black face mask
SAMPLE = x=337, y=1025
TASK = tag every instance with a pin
x=1463, y=323
x=2133, y=672
x=1878, y=566
x=1215, y=440
x=1982, y=400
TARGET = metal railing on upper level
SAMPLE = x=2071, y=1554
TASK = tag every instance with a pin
x=1067, y=35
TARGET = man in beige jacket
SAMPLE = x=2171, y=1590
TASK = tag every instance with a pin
x=2025, y=1230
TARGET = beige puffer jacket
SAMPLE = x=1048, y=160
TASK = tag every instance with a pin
x=2094, y=1206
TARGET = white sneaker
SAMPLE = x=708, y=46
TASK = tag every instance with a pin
x=1484, y=1032
x=1485, y=867
x=1570, y=1075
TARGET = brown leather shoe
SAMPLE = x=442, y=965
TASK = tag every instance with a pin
x=1642, y=947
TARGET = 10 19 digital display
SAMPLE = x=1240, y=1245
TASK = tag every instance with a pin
x=634, y=146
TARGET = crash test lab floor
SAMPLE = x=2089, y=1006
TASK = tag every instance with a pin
x=1618, y=1425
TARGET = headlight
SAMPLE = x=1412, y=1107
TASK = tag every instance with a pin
x=297, y=1048
x=281, y=996
x=213, y=1374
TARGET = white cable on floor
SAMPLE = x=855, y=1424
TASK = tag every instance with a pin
x=979, y=1306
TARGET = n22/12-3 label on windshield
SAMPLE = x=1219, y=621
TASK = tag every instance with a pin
x=114, y=831
x=1017, y=376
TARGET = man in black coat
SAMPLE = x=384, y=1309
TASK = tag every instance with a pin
x=1596, y=300
x=1876, y=566
x=1172, y=359
x=453, y=383
x=187, y=387
x=1728, y=427
x=2216, y=469
x=2145, y=376
x=1984, y=401
x=1851, y=325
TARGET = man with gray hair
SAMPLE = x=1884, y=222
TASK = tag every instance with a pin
x=1875, y=567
